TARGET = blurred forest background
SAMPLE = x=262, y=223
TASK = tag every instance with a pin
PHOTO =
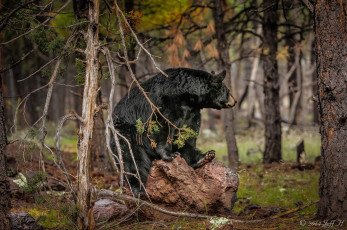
x=178, y=34
x=267, y=48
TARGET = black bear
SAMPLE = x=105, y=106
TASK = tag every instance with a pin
x=180, y=96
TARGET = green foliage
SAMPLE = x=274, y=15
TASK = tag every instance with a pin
x=52, y=217
x=140, y=126
x=150, y=126
x=35, y=183
x=161, y=12
x=31, y=185
x=70, y=211
x=33, y=133
x=47, y=40
x=81, y=71
x=185, y=134
x=153, y=127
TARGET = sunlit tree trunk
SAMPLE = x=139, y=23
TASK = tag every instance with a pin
x=88, y=111
x=273, y=133
x=224, y=61
x=331, y=49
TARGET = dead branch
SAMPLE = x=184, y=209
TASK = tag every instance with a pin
x=17, y=62
x=294, y=210
x=61, y=165
x=107, y=193
x=23, y=102
x=136, y=38
x=9, y=15
x=132, y=157
x=38, y=26
x=48, y=99
x=109, y=121
x=37, y=71
x=111, y=194
x=309, y=5
x=131, y=62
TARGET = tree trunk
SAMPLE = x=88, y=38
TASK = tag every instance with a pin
x=331, y=48
x=315, y=109
x=211, y=122
x=88, y=111
x=5, y=198
x=252, y=87
x=224, y=62
x=100, y=158
x=273, y=134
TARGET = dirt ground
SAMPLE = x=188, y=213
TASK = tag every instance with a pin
x=24, y=158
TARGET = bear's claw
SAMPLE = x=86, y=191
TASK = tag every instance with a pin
x=210, y=155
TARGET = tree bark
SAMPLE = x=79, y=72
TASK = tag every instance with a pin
x=331, y=49
x=88, y=111
x=315, y=109
x=252, y=87
x=273, y=133
x=5, y=198
x=224, y=62
x=100, y=158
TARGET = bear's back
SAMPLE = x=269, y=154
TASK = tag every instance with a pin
x=179, y=81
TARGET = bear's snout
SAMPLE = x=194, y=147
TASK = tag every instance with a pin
x=231, y=102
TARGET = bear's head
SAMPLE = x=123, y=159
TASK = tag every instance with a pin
x=216, y=94
x=196, y=88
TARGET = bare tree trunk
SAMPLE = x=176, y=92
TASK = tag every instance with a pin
x=273, y=134
x=331, y=49
x=296, y=106
x=87, y=124
x=211, y=123
x=5, y=198
x=224, y=62
x=100, y=159
x=252, y=87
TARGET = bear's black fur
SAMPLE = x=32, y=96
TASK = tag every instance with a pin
x=180, y=97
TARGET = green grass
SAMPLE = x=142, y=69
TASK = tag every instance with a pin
x=254, y=139
x=276, y=186
x=51, y=218
x=68, y=138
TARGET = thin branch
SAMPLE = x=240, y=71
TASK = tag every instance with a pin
x=41, y=68
x=38, y=26
x=17, y=62
x=109, y=122
x=107, y=193
x=136, y=38
x=132, y=157
x=61, y=165
x=9, y=15
x=309, y=5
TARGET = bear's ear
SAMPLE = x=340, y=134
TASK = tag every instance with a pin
x=219, y=77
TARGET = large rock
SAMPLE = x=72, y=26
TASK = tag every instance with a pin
x=211, y=188
x=106, y=209
x=23, y=221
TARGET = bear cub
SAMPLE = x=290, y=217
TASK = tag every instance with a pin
x=180, y=96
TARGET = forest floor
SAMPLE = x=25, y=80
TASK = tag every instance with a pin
x=264, y=192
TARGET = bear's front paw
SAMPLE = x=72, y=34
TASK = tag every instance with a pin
x=210, y=155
